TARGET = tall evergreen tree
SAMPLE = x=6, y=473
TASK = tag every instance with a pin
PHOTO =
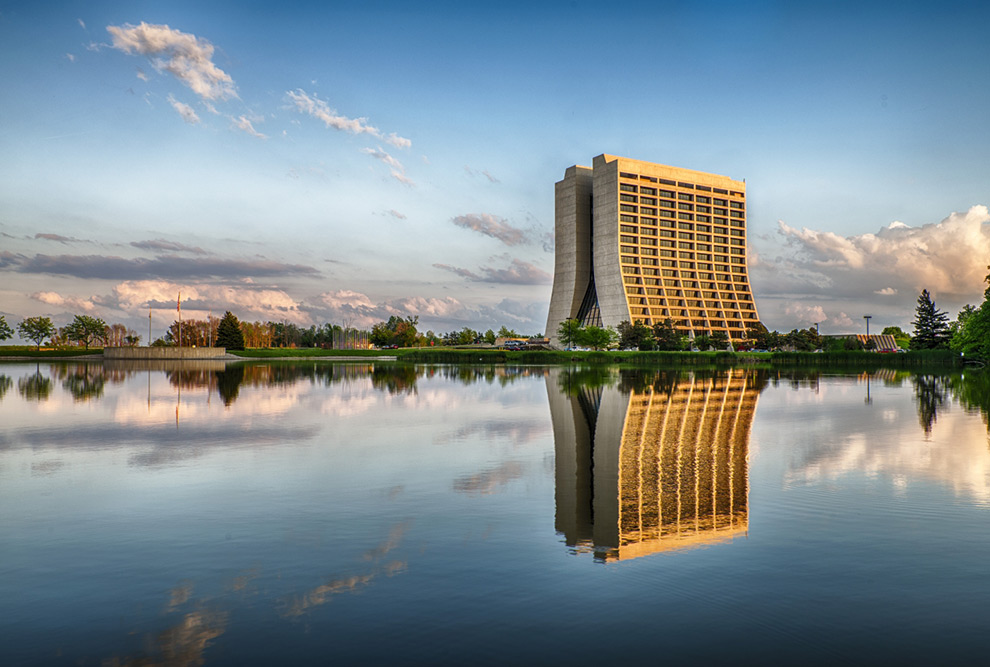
x=931, y=328
x=229, y=334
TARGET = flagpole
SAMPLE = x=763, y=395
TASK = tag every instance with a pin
x=178, y=307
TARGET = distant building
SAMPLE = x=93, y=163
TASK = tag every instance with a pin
x=638, y=241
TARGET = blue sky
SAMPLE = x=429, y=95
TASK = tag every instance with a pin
x=317, y=162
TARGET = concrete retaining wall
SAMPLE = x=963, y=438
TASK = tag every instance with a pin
x=185, y=353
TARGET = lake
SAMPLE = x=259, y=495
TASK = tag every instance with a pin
x=302, y=513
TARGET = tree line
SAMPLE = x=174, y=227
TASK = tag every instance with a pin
x=403, y=332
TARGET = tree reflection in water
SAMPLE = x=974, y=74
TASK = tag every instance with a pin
x=5, y=384
x=35, y=387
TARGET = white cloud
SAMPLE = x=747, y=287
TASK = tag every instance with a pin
x=807, y=314
x=490, y=225
x=313, y=106
x=398, y=172
x=397, y=141
x=82, y=23
x=947, y=258
x=320, y=110
x=244, y=300
x=185, y=56
x=70, y=57
x=242, y=123
x=141, y=74
x=886, y=291
x=184, y=110
x=69, y=302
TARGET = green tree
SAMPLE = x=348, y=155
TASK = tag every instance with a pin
x=720, y=340
x=931, y=328
x=506, y=332
x=229, y=334
x=598, y=338
x=5, y=330
x=666, y=337
x=397, y=331
x=490, y=337
x=901, y=337
x=971, y=330
x=703, y=342
x=86, y=329
x=36, y=329
x=759, y=336
x=568, y=332
x=636, y=336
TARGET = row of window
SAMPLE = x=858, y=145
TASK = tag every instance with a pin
x=667, y=217
x=683, y=198
x=679, y=184
x=673, y=278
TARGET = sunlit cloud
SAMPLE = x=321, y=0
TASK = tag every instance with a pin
x=947, y=257
x=185, y=56
x=245, y=300
x=397, y=170
x=184, y=110
x=244, y=125
x=490, y=225
x=67, y=302
x=313, y=106
x=517, y=273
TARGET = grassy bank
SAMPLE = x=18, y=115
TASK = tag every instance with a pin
x=51, y=352
x=943, y=359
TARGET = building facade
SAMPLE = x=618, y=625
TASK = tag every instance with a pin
x=638, y=241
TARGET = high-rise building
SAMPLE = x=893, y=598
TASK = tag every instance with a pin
x=638, y=241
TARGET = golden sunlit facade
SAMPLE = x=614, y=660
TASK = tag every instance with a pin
x=659, y=468
x=638, y=241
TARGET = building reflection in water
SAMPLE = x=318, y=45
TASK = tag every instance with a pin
x=652, y=466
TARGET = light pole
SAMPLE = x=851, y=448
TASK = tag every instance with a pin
x=817, y=333
x=867, y=318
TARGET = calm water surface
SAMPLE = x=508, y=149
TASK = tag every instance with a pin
x=304, y=513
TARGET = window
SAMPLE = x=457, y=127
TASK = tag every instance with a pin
x=628, y=208
x=626, y=174
x=648, y=191
x=646, y=210
x=666, y=204
x=667, y=193
x=649, y=201
x=685, y=216
x=627, y=239
x=627, y=218
x=627, y=187
x=735, y=204
x=685, y=207
x=649, y=221
x=685, y=196
x=703, y=199
x=666, y=214
x=736, y=214
x=627, y=228
x=685, y=185
x=632, y=198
